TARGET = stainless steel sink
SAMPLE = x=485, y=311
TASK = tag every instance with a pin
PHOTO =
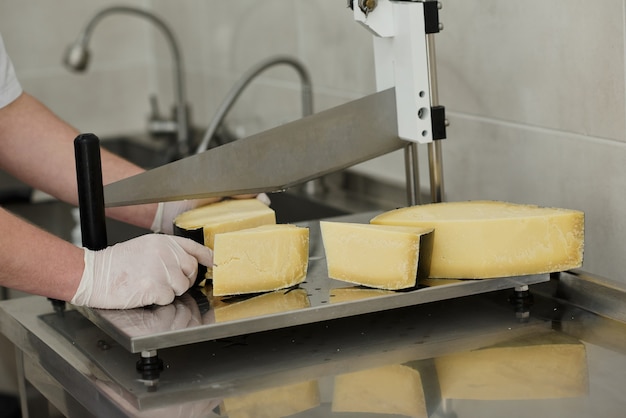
x=141, y=152
x=292, y=208
x=13, y=190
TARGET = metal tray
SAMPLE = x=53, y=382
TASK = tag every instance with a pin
x=194, y=318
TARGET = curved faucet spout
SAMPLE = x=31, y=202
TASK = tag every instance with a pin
x=77, y=59
x=247, y=78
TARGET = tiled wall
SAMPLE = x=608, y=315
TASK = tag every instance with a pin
x=534, y=90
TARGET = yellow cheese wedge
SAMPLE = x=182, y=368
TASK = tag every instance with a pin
x=265, y=304
x=486, y=239
x=550, y=366
x=384, y=257
x=394, y=389
x=225, y=216
x=261, y=259
x=275, y=402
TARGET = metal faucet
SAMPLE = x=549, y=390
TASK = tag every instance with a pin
x=77, y=58
x=247, y=78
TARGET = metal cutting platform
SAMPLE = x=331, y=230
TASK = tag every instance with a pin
x=143, y=329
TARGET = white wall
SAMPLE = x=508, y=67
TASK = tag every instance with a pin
x=534, y=90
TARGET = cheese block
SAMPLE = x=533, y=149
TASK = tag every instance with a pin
x=274, y=402
x=232, y=309
x=547, y=366
x=260, y=259
x=395, y=389
x=203, y=223
x=487, y=239
x=378, y=256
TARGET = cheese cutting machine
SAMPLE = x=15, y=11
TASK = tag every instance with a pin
x=403, y=113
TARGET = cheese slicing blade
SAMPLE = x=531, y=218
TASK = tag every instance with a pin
x=272, y=160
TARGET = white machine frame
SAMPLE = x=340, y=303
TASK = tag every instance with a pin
x=401, y=61
x=404, y=50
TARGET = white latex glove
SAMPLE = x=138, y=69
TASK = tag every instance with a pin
x=150, y=269
x=167, y=211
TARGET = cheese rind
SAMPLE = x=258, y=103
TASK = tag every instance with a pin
x=383, y=257
x=487, y=239
x=261, y=259
x=225, y=216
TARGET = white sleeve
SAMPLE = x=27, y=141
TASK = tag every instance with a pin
x=10, y=87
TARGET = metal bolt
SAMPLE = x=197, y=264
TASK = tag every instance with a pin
x=149, y=353
x=367, y=6
x=102, y=345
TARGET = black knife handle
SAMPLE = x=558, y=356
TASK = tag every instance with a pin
x=90, y=191
x=90, y=197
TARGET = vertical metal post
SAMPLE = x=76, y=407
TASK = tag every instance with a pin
x=32, y=402
x=435, y=160
x=411, y=166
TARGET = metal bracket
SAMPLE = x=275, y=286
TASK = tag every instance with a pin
x=401, y=59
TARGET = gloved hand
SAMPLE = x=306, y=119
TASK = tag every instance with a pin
x=150, y=269
x=168, y=211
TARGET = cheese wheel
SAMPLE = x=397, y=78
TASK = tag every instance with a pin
x=547, y=366
x=487, y=239
x=225, y=216
x=378, y=256
x=261, y=259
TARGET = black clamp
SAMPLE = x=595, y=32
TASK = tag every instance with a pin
x=431, y=16
x=90, y=191
x=438, y=122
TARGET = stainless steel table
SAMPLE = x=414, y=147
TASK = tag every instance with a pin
x=559, y=361
x=458, y=349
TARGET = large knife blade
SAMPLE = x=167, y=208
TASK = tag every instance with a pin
x=275, y=159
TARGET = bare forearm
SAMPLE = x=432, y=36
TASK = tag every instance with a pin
x=37, y=147
x=37, y=262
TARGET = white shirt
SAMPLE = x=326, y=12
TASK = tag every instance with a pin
x=10, y=87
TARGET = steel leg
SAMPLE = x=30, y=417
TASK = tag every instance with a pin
x=33, y=403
